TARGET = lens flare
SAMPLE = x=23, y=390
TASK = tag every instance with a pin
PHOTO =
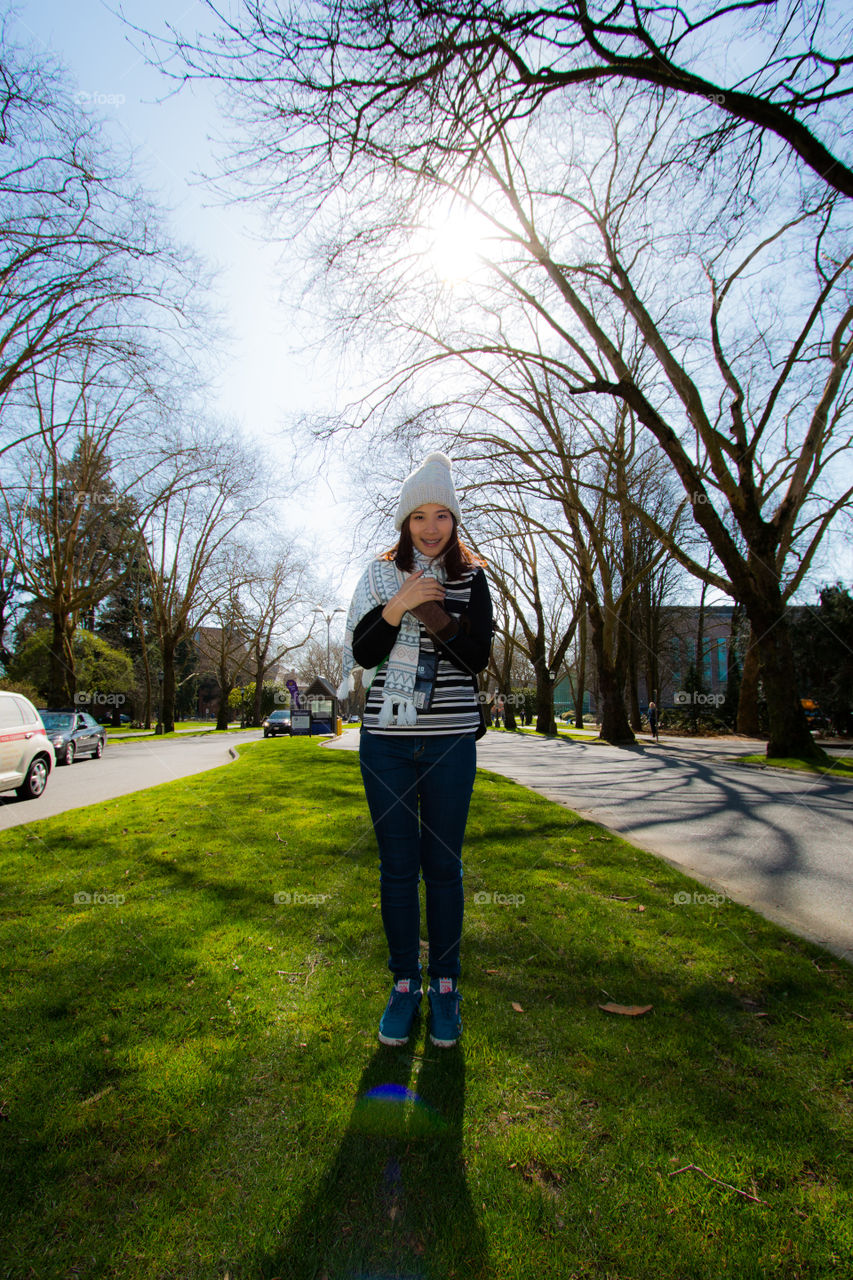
x=392, y=1110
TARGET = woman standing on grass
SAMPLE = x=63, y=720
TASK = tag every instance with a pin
x=420, y=623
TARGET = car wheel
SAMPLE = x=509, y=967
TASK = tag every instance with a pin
x=266, y=733
x=35, y=780
x=70, y=751
x=99, y=748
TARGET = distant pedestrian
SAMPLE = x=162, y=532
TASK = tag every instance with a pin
x=653, y=720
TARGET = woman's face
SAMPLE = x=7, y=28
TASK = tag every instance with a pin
x=431, y=527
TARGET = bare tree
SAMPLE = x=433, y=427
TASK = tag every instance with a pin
x=538, y=595
x=69, y=529
x=221, y=645
x=208, y=485
x=750, y=407
x=9, y=587
x=609, y=233
x=349, y=75
x=83, y=264
x=276, y=612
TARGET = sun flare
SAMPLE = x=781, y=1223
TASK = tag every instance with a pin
x=457, y=244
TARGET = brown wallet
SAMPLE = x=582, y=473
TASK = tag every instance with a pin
x=437, y=622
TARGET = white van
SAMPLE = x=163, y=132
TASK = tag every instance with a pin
x=26, y=752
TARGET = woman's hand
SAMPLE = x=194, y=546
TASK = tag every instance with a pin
x=416, y=590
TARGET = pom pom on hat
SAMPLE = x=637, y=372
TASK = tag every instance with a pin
x=431, y=482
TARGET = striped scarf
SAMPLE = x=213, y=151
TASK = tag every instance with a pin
x=380, y=581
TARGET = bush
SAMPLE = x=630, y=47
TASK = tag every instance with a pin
x=23, y=687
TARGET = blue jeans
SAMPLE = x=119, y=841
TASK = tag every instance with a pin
x=418, y=791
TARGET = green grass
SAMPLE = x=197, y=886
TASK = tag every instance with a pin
x=198, y=728
x=187, y=1061
x=577, y=735
x=841, y=767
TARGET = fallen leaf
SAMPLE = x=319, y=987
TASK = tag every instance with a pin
x=96, y=1097
x=517, y=1007
x=627, y=1010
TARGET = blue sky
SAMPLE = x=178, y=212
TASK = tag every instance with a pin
x=262, y=380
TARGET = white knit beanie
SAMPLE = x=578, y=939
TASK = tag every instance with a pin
x=432, y=482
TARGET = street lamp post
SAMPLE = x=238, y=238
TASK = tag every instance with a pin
x=328, y=617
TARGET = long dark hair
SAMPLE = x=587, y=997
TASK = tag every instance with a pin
x=456, y=557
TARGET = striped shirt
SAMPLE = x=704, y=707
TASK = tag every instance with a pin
x=454, y=708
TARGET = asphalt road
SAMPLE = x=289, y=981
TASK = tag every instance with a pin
x=778, y=841
x=124, y=767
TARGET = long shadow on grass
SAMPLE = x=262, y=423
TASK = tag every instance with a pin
x=394, y=1201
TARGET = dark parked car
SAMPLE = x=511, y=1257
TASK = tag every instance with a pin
x=73, y=734
x=276, y=722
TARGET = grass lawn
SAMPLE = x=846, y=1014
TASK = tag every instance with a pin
x=186, y=729
x=192, y=1085
x=841, y=767
x=563, y=731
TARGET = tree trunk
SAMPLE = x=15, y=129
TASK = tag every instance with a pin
x=145, y=718
x=545, y=722
x=700, y=641
x=580, y=687
x=789, y=731
x=62, y=682
x=259, y=689
x=223, y=713
x=633, y=691
x=168, y=695
x=611, y=682
x=747, y=706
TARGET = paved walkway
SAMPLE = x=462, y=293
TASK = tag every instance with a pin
x=778, y=841
x=125, y=767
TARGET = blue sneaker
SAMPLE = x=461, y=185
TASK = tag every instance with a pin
x=445, y=1024
x=400, y=1012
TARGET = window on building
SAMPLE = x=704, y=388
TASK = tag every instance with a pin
x=675, y=663
x=722, y=660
